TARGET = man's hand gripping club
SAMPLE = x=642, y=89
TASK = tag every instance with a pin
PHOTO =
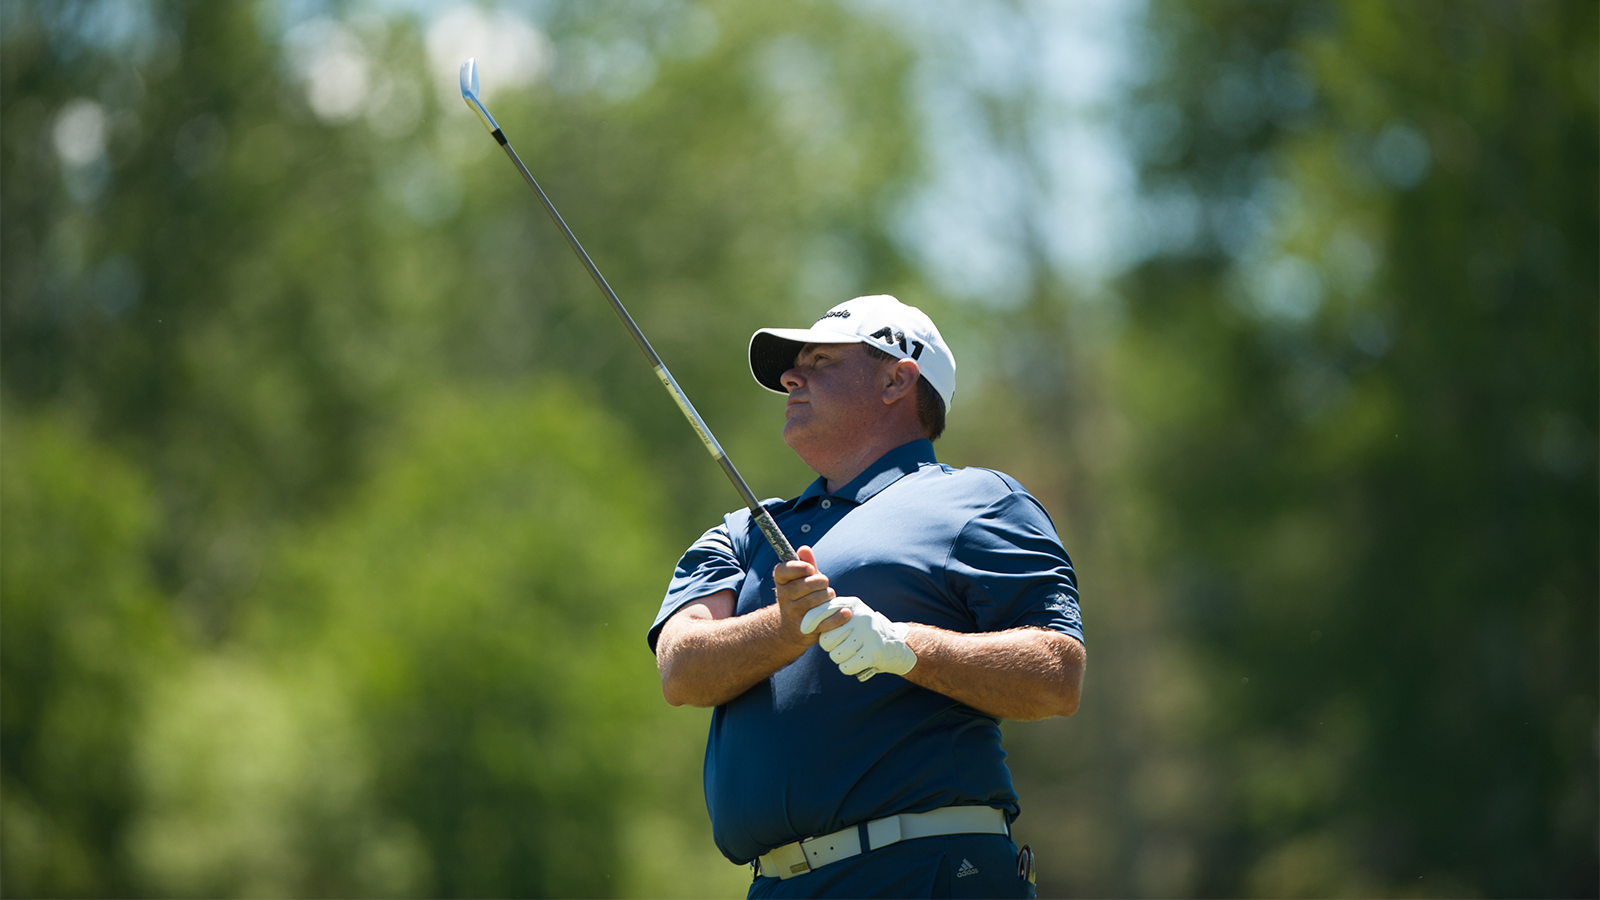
x=861, y=640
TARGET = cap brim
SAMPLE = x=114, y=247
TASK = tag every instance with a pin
x=773, y=350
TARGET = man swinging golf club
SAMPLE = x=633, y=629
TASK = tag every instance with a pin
x=855, y=746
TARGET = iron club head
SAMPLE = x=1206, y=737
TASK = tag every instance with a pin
x=469, y=94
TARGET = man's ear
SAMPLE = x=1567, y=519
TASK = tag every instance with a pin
x=902, y=379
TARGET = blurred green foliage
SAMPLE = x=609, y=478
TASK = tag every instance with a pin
x=86, y=635
x=1340, y=453
x=335, y=503
x=1380, y=510
x=447, y=675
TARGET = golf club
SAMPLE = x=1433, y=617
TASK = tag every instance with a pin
x=769, y=528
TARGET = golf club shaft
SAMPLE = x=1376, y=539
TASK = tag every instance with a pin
x=763, y=519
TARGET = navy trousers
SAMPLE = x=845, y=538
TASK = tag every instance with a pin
x=955, y=865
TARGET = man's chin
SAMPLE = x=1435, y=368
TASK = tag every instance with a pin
x=798, y=437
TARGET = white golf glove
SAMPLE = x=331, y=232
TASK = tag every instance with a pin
x=867, y=644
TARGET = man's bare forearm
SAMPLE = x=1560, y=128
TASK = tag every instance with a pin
x=1025, y=673
x=707, y=662
x=708, y=656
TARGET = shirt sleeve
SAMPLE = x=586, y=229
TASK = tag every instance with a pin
x=1009, y=566
x=711, y=564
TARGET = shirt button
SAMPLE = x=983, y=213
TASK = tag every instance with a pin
x=805, y=529
x=827, y=503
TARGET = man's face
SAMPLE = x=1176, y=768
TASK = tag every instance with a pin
x=835, y=396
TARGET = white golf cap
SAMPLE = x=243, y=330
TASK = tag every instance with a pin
x=878, y=321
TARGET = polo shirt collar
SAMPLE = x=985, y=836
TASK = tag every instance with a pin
x=890, y=467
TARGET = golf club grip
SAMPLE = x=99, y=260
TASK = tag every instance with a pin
x=780, y=544
x=769, y=528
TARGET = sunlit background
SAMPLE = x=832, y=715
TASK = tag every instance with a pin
x=336, y=503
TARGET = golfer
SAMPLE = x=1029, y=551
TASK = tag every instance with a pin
x=855, y=746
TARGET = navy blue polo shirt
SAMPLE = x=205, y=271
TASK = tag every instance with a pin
x=810, y=750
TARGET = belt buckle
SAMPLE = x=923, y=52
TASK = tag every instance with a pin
x=786, y=861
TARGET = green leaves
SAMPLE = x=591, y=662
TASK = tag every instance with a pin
x=86, y=634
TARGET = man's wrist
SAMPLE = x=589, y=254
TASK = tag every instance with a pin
x=793, y=642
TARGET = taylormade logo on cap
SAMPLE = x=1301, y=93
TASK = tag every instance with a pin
x=879, y=321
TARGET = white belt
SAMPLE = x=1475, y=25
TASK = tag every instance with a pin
x=801, y=857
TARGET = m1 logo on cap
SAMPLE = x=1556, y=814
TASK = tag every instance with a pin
x=835, y=314
x=898, y=337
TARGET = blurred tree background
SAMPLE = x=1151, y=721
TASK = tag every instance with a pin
x=335, y=503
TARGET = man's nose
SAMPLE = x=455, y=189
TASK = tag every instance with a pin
x=792, y=379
